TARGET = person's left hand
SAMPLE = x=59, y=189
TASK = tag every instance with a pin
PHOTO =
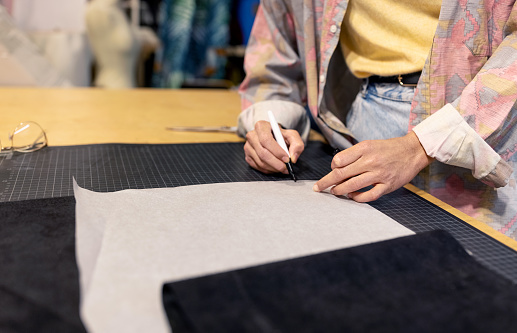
x=385, y=164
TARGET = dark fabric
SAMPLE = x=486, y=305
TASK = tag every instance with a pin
x=39, y=280
x=421, y=283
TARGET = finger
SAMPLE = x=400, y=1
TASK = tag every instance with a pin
x=268, y=141
x=347, y=156
x=354, y=184
x=248, y=157
x=295, y=143
x=371, y=195
x=255, y=162
x=252, y=164
x=336, y=176
x=261, y=165
x=262, y=156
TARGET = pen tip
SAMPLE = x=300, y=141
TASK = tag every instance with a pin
x=290, y=170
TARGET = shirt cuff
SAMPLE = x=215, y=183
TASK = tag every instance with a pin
x=448, y=138
x=288, y=114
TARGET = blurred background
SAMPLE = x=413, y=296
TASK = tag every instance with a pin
x=124, y=43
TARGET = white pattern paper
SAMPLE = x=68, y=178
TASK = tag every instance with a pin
x=130, y=242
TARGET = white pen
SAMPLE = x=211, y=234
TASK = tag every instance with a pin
x=281, y=141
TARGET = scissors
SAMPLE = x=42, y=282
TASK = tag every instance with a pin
x=220, y=129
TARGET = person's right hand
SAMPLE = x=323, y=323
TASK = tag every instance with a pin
x=265, y=154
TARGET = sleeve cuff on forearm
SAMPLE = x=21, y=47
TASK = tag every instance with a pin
x=288, y=114
x=446, y=137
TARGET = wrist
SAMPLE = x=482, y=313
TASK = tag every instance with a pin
x=419, y=156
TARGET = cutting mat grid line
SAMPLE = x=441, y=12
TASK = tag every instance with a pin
x=114, y=167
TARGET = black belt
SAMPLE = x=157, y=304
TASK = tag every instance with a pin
x=406, y=80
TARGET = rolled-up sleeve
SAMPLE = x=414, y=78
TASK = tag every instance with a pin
x=448, y=138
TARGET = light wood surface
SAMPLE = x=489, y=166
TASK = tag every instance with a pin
x=88, y=116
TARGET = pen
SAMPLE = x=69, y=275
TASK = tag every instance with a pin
x=281, y=141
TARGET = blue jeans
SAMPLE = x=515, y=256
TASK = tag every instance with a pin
x=380, y=111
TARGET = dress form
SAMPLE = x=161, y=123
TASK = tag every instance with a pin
x=116, y=44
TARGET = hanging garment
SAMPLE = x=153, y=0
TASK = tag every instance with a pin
x=191, y=31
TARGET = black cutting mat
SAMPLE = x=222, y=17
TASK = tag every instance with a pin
x=419, y=215
x=104, y=168
x=48, y=173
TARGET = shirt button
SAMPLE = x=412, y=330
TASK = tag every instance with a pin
x=322, y=78
x=333, y=28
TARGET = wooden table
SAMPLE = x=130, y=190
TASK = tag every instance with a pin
x=89, y=116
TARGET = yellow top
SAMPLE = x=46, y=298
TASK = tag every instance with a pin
x=382, y=37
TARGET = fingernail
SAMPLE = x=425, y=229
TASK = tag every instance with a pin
x=332, y=191
x=294, y=158
x=315, y=188
x=285, y=159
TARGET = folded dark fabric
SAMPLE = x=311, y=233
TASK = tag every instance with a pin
x=39, y=280
x=421, y=283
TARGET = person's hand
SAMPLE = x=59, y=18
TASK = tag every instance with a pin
x=385, y=164
x=265, y=154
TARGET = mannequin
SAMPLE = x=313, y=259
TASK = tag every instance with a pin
x=117, y=45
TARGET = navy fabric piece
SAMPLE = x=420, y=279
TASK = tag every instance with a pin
x=420, y=283
x=39, y=280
